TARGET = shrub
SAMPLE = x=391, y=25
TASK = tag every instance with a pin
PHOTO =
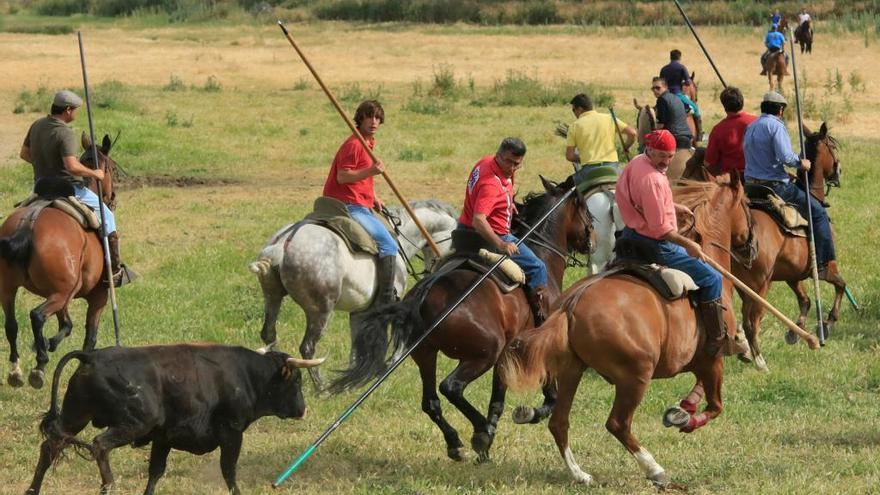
x=110, y=94
x=520, y=89
x=427, y=106
x=212, y=85
x=61, y=7
x=33, y=101
x=175, y=84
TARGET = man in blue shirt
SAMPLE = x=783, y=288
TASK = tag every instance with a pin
x=677, y=75
x=774, y=41
x=767, y=149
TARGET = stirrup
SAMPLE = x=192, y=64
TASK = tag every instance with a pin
x=124, y=276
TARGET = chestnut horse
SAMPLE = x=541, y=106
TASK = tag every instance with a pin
x=477, y=332
x=629, y=334
x=56, y=259
x=765, y=253
x=775, y=65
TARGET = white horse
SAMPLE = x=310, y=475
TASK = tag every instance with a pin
x=606, y=221
x=315, y=267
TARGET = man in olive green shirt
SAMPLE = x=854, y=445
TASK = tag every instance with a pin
x=51, y=147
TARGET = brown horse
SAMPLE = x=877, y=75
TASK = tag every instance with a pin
x=619, y=326
x=57, y=259
x=803, y=36
x=765, y=253
x=691, y=90
x=477, y=332
x=775, y=65
x=646, y=121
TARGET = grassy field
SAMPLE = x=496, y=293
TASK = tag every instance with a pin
x=231, y=107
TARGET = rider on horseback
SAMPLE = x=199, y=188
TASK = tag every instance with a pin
x=351, y=181
x=592, y=137
x=767, y=149
x=51, y=147
x=489, y=208
x=645, y=200
x=676, y=75
x=724, y=154
x=671, y=114
x=774, y=41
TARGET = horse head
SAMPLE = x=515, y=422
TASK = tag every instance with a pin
x=692, y=90
x=568, y=229
x=821, y=149
x=719, y=212
x=105, y=163
x=645, y=121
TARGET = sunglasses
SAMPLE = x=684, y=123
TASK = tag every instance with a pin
x=658, y=88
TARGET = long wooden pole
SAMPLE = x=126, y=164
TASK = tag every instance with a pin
x=700, y=42
x=812, y=342
x=619, y=133
x=369, y=151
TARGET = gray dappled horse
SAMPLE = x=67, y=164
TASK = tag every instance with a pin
x=317, y=270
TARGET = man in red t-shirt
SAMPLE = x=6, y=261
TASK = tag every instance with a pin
x=351, y=181
x=724, y=154
x=489, y=208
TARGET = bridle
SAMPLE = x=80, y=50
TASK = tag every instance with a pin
x=748, y=252
x=569, y=257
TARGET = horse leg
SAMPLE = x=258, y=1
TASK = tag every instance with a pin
x=803, y=305
x=834, y=313
x=273, y=295
x=11, y=325
x=39, y=315
x=753, y=313
x=65, y=325
x=599, y=206
x=568, y=382
x=453, y=387
x=426, y=360
x=627, y=397
x=496, y=403
x=97, y=301
x=534, y=415
x=316, y=321
x=711, y=374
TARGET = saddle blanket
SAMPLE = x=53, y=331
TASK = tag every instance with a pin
x=332, y=214
x=786, y=216
x=508, y=276
x=79, y=211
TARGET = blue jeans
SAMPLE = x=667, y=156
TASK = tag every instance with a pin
x=821, y=225
x=674, y=256
x=362, y=215
x=88, y=197
x=535, y=269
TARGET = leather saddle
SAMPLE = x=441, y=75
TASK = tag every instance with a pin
x=470, y=252
x=638, y=259
x=54, y=192
x=332, y=214
x=785, y=215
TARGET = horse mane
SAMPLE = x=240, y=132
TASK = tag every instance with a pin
x=532, y=209
x=697, y=195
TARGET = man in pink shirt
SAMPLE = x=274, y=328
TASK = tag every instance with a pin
x=724, y=154
x=645, y=201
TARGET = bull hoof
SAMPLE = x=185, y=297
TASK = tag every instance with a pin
x=454, y=453
x=14, y=379
x=36, y=378
x=676, y=416
x=523, y=415
x=268, y=347
x=791, y=338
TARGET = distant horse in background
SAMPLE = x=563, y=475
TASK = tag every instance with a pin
x=776, y=65
x=803, y=36
x=691, y=90
x=646, y=121
x=314, y=266
x=57, y=259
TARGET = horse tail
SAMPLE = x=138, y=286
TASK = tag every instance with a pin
x=16, y=249
x=50, y=426
x=370, y=344
x=538, y=354
x=270, y=257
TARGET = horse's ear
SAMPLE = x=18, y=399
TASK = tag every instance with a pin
x=549, y=185
x=823, y=131
x=693, y=75
x=86, y=142
x=636, y=104
x=106, y=144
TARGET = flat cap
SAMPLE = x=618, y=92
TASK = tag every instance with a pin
x=66, y=98
x=774, y=97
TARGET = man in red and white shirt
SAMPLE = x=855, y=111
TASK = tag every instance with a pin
x=645, y=200
x=724, y=154
x=489, y=209
x=351, y=181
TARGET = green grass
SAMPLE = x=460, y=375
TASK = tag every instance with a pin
x=810, y=426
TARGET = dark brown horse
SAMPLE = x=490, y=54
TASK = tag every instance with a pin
x=477, y=332
x=56, y=259
x=765, y=253
x=803, y=36
x=620, y=327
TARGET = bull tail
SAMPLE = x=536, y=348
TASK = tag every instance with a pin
x=371, y=342
x=50, y=426
x=539, y=354
x=16, y=249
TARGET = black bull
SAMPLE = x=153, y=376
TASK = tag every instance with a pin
x=190, y=397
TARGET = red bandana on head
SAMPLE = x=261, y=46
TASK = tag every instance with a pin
x=662, y=140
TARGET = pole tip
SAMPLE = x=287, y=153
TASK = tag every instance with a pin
x=281, y=25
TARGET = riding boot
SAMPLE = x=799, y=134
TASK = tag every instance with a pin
x=385, y=293
x=712, y=315
x=122, y=275
x=537, y=298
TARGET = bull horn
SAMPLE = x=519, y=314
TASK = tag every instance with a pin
x=304, y=363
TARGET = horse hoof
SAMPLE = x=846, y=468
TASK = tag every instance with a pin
x=482, y=458
x=14, y=379
x=51, y=345
x=791, y=338
x=481, y=442
x=660, y=480
x=36, y=379
x=761, y=364
x=454, y=453
x=676, y=416
x=523, y=415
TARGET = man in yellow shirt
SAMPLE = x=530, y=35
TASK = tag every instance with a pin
x=592, y=137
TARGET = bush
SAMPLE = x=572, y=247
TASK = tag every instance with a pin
x=427, y=106
x=175, y=84
x=111, y=95
x=32, y=102
x=50, y=29
x=61, y=7
x=520, y=89
x=212, y=85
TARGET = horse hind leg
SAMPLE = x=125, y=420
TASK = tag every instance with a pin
x=426, y=360
x=11, y=326
x=534, y=415
x=316, y=322
x=453, y=387
x=39, y=315
x=567, y=382
x=273, y=295
x=803, y=301
x=65, y=326
x=628, y=396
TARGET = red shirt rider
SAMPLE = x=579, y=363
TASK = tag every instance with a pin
x=491, y=193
